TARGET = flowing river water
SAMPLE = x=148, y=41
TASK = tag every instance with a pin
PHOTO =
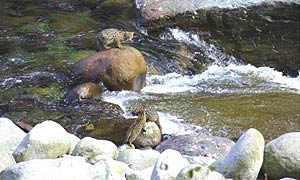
x=40, y=42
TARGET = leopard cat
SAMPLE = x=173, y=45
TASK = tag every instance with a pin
x=136, y=128
x=151, y=115
x=112, y=38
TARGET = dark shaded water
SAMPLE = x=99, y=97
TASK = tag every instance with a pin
x=39, y=42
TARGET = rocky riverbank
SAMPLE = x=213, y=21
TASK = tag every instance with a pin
x=48, y=151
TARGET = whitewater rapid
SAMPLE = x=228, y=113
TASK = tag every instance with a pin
x=224, y=76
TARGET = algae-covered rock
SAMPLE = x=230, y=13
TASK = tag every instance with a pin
x=118, y=69
x=47, y=140
x=83, y=91
x=282, y=156
x=196, y=172
x=94, y=150
x=245, y=158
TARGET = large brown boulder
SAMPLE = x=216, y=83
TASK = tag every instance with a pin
x=118, y=69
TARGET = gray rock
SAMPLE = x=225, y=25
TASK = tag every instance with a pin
x=154, y=9
x=111, y=170
x=282, y=156
x=245, y=158
x=195, y=172
x=168, y=165
x=134, y=175
x=139, y=159
x=10, y=134
x=195, y=145
x=74, y=140
x=149, y=137
x=94, y=150
x=200, y=160
x=69, y=167
x=6, y=158
x=46, y=140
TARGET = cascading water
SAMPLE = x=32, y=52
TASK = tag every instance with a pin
x=224, y=77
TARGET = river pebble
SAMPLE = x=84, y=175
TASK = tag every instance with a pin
x=101, y=159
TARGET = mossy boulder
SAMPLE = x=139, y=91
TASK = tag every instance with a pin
x=282, y=156
x=245, y=158
x=118, y=69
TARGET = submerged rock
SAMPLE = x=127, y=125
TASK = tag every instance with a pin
x=168, y=165
x=10, y=134
x=282, y=156
x=46, y=140
x=118, y=69
x=83, y=91
x=195, y=145
x=245, y=158
x=69, y=167
x=94, y=150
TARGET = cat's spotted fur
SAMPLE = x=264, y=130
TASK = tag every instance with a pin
x=112, y=38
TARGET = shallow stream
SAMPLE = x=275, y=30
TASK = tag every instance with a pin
x=39, y=42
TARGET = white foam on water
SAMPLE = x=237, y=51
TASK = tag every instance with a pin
x=229, y=79
x=176, y=126
x=211, y=51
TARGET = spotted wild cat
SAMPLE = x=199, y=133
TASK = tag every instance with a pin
x=136, y=127
x=112, y=38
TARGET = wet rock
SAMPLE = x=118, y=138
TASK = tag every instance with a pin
x=6, y=158
x=282, y=156
x=24, y=126
x=46, y=140
x=111, y=169
x=118, y=69
x=150, y=136
x=112, y=129
x=253, y=34
x=138, y=159
x=195, y=145
x=63, y=168
x=10, y=134
x=168, y=165
x=94, y=150
x=83, y=91
x=195, y=171
x=245, y=158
